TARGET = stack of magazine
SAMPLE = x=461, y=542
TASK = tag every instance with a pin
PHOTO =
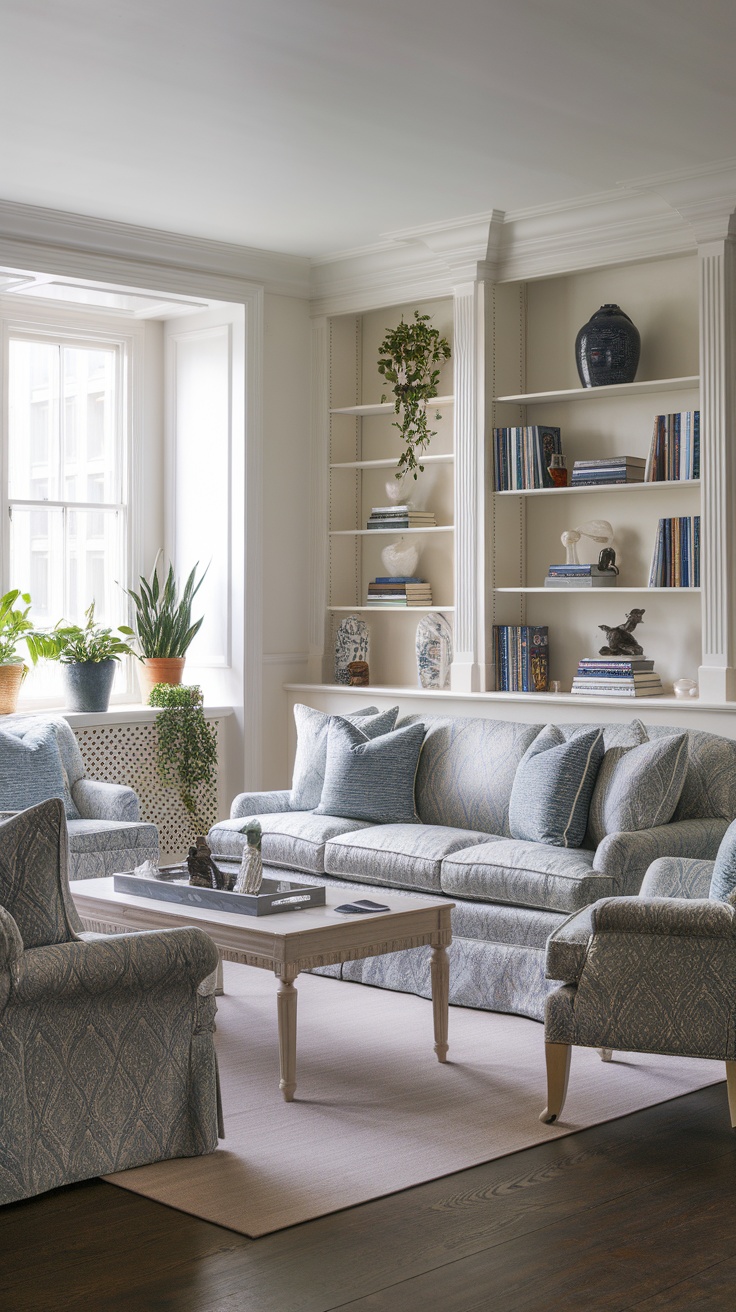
x=400, y=517
x=615, y=469
x=404, y=591
x=580, y=576
x=616, y=676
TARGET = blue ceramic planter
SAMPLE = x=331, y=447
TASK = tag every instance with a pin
x=89, y=684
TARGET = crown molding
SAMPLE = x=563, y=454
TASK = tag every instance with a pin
x=82, y=246
x=704, y=197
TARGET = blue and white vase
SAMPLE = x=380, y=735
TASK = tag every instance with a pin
x=352, y=643
x=434, y=651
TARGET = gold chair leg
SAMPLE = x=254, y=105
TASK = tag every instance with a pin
x=731, y=1086
x=558, y=1071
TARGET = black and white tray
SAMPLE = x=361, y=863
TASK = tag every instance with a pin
x=172, y=885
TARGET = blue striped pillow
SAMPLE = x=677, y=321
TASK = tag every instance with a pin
x=311, y=748
x=371, y=779
x=553, y=787
x=30, y=768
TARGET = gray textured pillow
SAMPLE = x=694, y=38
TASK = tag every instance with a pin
x=638, y=787
x=30, y=768
x=311, y=748
x=371, y=778
x=553, y=786
x=723, y=878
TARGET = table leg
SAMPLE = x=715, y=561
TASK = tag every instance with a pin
x=286, y=1006
x=440, y=969
x=219, y=986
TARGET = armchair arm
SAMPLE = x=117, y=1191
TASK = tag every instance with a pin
x=134, y=962
x=567, y=947
x=677, y=876
x=247, y=804
x=100, y=801
x=670, y=916
x=11, y=943
x=626, y=857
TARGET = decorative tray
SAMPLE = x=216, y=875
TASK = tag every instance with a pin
x=172, y=885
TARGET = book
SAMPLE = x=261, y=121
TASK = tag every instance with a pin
x=577, y=571
x=620, y=665
x=581, y=581
x=398, y=578
x=676, y=555
x=521, y=657
x=522, y=456
x=674, y=454
x=616, y=692
x=635, y=461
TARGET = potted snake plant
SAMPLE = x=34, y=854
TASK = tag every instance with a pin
x=163, y=625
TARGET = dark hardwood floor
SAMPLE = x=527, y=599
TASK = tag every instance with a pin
x=639, y=1213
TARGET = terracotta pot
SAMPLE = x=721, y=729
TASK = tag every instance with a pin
x=159, y=669
x=11, y=677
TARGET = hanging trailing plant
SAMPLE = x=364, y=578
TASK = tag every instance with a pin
x=410, y=356
x=187, y=744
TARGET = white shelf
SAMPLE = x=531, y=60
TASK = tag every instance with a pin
x=612, y=389
x=385, y=407
x=604, y=487
x=404, y=610
x=391, y=462
x=396, y=532
x=598, y=592
x=664, y=703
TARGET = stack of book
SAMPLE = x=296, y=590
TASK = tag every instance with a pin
x=675, y=450
x=676, y=558
x=405, y=591
x=580, y=576
x=522, y=657
x=615, y=469
x=616, y=676
x=522, y=456
x=400, y=517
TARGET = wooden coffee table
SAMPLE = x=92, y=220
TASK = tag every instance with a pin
x=292, y=941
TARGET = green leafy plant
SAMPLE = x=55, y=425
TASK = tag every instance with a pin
x=74, y=644
x=410, y=356
x=187, y=744
x=16, y=628
x=163, y=616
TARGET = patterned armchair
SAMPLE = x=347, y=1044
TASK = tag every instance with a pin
x=653, y=973
x=106, y=1043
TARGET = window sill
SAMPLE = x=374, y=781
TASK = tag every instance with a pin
x=128, y=714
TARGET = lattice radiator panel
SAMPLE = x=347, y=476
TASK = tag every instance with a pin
x=126, y=754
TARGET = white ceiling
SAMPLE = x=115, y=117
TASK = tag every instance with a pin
x=312, y=126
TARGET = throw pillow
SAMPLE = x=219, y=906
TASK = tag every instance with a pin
x=638, y=787
x=311, y=748
x=371, y=778
x=553, y=786
x=30, y=768
x=723, y=878
x=614, y=735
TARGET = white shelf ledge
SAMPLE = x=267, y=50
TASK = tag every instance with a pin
x=384, y=408
x=649, y=385
x=393, y=609
x=602, y=487
x=664, y=703
x=391, y=462
x=599, y=592
x=397, y=532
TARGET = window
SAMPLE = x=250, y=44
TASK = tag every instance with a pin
x=66, y=483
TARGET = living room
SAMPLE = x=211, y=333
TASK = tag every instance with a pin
x=258, y=197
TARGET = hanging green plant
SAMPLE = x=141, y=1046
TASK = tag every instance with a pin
x=187, y=744
x=410, y=356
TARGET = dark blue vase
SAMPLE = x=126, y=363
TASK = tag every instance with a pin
x=607, y=348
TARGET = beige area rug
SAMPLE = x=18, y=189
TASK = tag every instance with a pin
x=374, y=1111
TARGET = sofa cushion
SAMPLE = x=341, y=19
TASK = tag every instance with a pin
x=723, y=877
x=553, y=786
x=404, y=856
x=30, y=768
x=614, y=735
x=466, y=771
x=526, y=875
x=709, y=791
x=294, y=840
x=371, y=778
x=638, y=787
x=311, y=748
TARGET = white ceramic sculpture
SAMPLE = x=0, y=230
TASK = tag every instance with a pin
x=400, y=559
x=399, y=492
x=352, y=643
x=599, y=530
x=434, y=651
x=250, y=875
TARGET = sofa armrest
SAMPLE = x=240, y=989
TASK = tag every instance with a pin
x=100, y=801
x=134, y=962
x=626, y=857
x=669, y=916
x=11, y=943
x=677, y=876
x=567, y=947
x=248, y=804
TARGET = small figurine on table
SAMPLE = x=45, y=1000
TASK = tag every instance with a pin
x=251, y=867
x=203, y=873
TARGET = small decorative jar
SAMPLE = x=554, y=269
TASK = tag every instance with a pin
x=558, y=470
x=607, y=348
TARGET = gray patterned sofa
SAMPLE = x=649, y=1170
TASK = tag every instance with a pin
x=510, y=895
x=103, y=819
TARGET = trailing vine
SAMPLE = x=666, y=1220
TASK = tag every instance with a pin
x=410, y=356
x=187, y=744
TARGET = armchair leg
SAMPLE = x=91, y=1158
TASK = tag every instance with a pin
x=731, y=1085
x=558, y=1071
